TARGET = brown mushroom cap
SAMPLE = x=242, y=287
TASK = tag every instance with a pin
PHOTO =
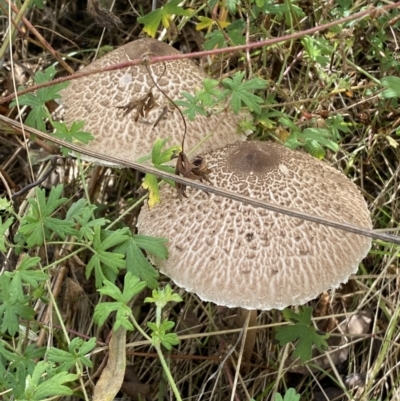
x=100, y=99
x=236, y=255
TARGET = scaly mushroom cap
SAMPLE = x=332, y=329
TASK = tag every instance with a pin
x=237, y=255
x=103, y=100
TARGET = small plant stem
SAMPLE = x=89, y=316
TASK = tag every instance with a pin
x=65, y=332
x=127, y=211
x=13, y=27
x=158, y=316
x=159, y=351
x=139, y=329
x=362, y=71
x=167, y=372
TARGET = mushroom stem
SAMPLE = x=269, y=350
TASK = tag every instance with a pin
x=247, y=318
x=97, y=173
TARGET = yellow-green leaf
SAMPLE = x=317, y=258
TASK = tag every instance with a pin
x=165, y=20
x=314, y=149
x=151, y=184
x=151, y=22
x=206, y=23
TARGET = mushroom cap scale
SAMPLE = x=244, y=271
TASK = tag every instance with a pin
x=121, y=114
x=233, y=254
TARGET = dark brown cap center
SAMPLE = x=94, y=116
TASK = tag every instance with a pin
x=250, y=157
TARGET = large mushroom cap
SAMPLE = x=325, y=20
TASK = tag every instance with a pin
x=237, y=255
x=111, y=102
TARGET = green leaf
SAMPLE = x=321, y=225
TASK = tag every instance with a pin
x=154, y=245
x=81, y=209
x=3, y=229
x=234, y=32
x=106, y=264
x=124, y=312
x=393, y=87
x=112, y=291
x=13, y=304
x=73, y=133
x=191, y=106
x=77, y=350
x=303, y=332
x=214, y=39
x=26, y=274
x=321, y=136
x=82, y=213
x=37, y=101
x=288, y=123
x=103, y=310
x=168, y=340
x=38, y=3
x=5, y=205
x=162, y=296
x=210, y=94
x=137, y=263
x=152, y=20
x=240, y=92
x=204, y=23
x=231, y=5
x=336, y=125
x=38, y=225
x=318, y=50
x=173, y=7
x=40, y=386
x=313, y=139
x=290, y=395
x=159, y=334
x=280, y=10
x=132, y=286
x=159, y=155
x=24, y=362
x=314, y=149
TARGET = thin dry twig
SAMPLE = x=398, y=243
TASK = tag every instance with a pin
x=267, y=42
x=208, y=188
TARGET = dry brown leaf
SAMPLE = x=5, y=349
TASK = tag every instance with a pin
x=197, y=170
x=111, y=378
x=360, y=323
x=103, y=17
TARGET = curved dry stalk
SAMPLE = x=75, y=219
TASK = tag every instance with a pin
x=268, y=42
x=371, y=233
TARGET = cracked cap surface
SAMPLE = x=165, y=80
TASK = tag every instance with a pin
x=100, y=99
x=233, y=254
